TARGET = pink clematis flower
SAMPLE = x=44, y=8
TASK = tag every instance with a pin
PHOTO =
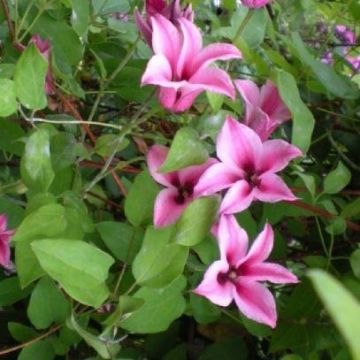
x=248, y=168
x=172, y=201
x=254, y=3
x=237, y=274
x=171, y=11
x=265, y=110
x=180, y=67
x=5, y=237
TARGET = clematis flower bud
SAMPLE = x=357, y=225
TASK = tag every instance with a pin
x=171, y=12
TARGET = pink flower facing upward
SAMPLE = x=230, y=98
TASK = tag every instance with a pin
x=254, y=3
x=265, y=110
x=171, y=11
x=180, y=67
x=177, y=195
x=248, y=168
x=5, y=237
x=237, y=274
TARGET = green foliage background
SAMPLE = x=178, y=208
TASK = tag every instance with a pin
x=93, y=278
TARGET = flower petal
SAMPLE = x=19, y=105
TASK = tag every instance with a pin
x=272, y=104
x=249, y=91
x=239, y=145
x=238, y=198
x=158, y=72
x=218, y=293
x=154, y=6
x=143, y=27
x=233, y=240
x=3, y=222
x=155, y=158
x=165, y=39
x=184, y=98
x=261, y=247
x=274, y=273
x=213, y=79
x=4, y=253
x=218, y=177
x=273, y=189
x=190, y=176
x=191, y=44
x=166, y=209
x=213, y=52
x=276, y=155
x=256, y=302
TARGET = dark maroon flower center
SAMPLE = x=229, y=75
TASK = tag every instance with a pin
x=253, y=179
x=184, y=192
x=251, y=175
x=232, y=275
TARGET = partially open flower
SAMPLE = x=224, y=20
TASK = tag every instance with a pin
x=180, y=66
x=264, y=108
x=171, y=11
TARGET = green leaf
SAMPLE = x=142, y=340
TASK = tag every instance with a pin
x=161, y=307
x=10, y=291
x=309, y=182
x=47, y=304
x=337, y=179
x=80, y=16
x=351, y=210
x=36, y=168
x=108, y=143
x=196, y=221
x=355, y=263
x=66, y=45
x=80, y=268
x=20, y=332
x=203, y=310
x=215, y=100
x=11, y=133
x=228, y=348
x=186, y=150
x=27, y=266
x=303, y=119
x=126, y=306
x=343, y=308
x=255, y=29
x=122, y=239
x=47, y=221
x=140, y=200
x=8, y=103
x=39, y=350
x=335, y=83
x=103, y=347
x=103, y=7
x=29, y=78
x=151, y=267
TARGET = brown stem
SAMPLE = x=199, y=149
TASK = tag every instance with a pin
x=107, y=201
x=8, y=19
x=30, y=342
x=321, y=212
x=91, y=135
